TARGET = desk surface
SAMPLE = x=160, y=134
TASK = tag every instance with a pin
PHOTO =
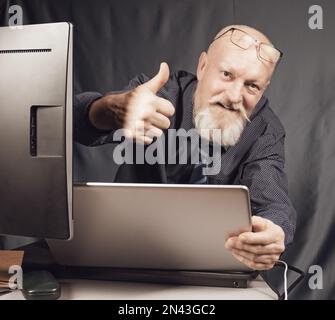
x=116, y=290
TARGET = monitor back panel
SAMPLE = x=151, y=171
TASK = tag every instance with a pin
x=171, y=227
x=36, y=130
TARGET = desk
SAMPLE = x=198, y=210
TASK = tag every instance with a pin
x=116, y=290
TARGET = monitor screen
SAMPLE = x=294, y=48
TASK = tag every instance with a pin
x=36, y=130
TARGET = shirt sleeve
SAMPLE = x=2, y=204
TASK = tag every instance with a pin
x=83, y=131
x=264, y=175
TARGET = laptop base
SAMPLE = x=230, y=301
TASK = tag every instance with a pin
x=193, y=278
x=38, y=257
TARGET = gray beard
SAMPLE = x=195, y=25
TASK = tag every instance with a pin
x=213, y=124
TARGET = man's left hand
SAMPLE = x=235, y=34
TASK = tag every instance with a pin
x=261, y=248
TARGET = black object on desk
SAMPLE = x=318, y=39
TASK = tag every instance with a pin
x=40, y=285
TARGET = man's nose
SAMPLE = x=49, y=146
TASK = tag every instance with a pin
x=234, y=93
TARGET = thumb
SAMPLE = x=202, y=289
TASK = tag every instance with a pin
x=159, y=79
x=258, y=223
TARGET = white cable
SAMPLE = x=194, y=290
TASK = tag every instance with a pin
x=285, y=277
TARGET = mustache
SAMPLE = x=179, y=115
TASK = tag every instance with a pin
x=235, y=107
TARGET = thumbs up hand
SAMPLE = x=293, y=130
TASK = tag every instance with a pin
x=140, y=112
x=147, y=113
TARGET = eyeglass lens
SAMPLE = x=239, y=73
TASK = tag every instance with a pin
x=244, y=41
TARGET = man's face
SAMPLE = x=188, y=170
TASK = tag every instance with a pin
x=229, y=78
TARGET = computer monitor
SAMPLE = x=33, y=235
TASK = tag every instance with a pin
x=36, y=130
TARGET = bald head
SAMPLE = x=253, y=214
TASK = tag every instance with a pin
x=261, y=37
x=222, y=42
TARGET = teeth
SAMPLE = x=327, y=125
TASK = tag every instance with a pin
x=222, y=105
x=228, y=108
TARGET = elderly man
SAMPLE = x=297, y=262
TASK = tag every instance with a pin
x=226, y=94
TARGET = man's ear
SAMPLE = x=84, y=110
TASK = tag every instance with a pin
x=201, y=65
x=267, y=84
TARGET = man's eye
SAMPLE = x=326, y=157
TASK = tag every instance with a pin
x=226, y=73
x=253, y=86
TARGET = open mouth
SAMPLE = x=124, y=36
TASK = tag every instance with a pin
x=241, y=111
x=230, y=108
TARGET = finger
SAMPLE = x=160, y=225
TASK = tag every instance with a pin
x=231, y=242
x=263, y=237
x=272, y=248
x=153, y=132
x=143, y=140
x=135, y=129
x=160, y=121
x=258, y=223
x=266, y=258
x=251, y=264
x=165, y=107
x=159, y=79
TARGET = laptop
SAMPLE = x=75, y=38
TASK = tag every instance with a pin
x=155, y=226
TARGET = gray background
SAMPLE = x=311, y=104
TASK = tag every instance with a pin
x=115, y=40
